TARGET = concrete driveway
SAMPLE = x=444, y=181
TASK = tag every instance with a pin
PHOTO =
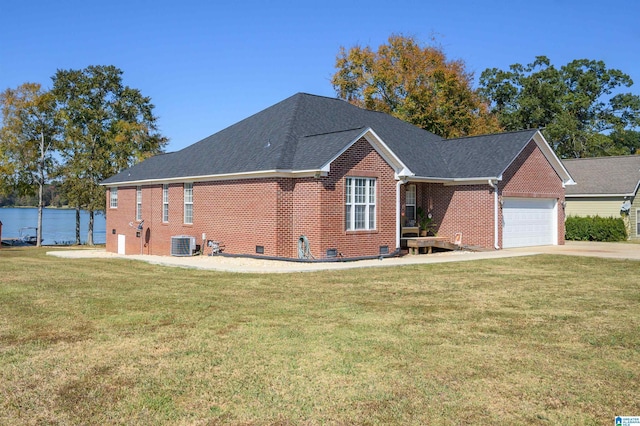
x=588, y=248
x=248, y=265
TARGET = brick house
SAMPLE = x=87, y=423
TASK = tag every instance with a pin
x=345, y=178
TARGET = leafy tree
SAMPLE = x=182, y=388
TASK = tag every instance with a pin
x=28, y=139
x=577, y=105
x=627, y=141
x=108, y=127
x=414, y=83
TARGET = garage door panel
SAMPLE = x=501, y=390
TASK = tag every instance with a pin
x=529, y=222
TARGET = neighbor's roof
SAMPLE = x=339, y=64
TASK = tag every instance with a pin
x=602, y=176
x=304, y=133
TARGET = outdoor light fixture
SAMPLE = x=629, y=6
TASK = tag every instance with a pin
x=140, y=225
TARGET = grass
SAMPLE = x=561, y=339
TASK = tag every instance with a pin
x=531, y=340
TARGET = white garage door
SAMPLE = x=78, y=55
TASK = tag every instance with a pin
x=529, y=222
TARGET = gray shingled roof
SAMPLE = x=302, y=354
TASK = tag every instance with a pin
x=604, y=175
x=305, y=131
x=484, y=156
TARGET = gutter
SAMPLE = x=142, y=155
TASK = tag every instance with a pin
x=276, y=173
x=495, y=213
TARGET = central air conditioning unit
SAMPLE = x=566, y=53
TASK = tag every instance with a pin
x=183, y=245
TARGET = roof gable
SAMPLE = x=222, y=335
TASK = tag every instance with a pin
x=489, y=156
x=602, y=176
x=484, y=156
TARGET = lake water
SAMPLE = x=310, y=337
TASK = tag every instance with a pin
x=58, y=225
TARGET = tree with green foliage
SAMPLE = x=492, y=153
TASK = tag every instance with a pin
x=108, y=127
x=579, y=106
x=28, y=140
x=628, y=141
x=416, y=84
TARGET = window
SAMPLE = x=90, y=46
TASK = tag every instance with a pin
x=139, y=203
x=165, y=203
x=360, y=200
x=188, y=203
x=113, y=198
x=638, y=222
x=410, y=205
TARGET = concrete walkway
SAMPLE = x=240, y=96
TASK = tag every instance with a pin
x=246, y=265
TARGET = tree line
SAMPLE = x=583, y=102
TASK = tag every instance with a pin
x=582, y=107
x=87, y=127
x=52, y=197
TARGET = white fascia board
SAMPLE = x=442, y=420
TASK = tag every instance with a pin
x=598, y=195
x=228, y=176
x=553, y=158
x=453, y=181
x=381, y=148
x=474, y=181
x=425, y=179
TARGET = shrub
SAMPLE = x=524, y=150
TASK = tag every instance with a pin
x=595, y=228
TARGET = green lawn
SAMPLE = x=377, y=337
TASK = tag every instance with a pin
x=528, y=340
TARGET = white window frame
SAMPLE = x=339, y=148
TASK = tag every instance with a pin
x=138, y=203
x=165, y=203
x=360, y=204
x=638, y=222
x=411, y=203
x=188, y=203
x=113, y=197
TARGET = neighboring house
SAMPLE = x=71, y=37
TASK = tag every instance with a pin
x=346, y=178
x=607, y=187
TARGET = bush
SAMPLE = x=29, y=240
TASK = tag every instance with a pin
x=595, y=228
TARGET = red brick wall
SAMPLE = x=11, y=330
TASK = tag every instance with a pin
x=240, y=213
x=531, y=176
x=118, y=220
x=462, y=208
x=272, y=213
x=360, y=160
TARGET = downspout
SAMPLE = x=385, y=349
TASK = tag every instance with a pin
x=400, y=182
x=495, y=214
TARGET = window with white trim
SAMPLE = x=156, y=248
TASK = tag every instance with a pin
x=360, y=204
x=638, y=222
x=165, y=203
x=410, y=205
x=188, y=203
x=113, y=197
x=139, y=203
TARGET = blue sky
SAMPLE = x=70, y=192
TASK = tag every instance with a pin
x=209, y=64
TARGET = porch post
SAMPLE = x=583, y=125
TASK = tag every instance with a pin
x=398, y=224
